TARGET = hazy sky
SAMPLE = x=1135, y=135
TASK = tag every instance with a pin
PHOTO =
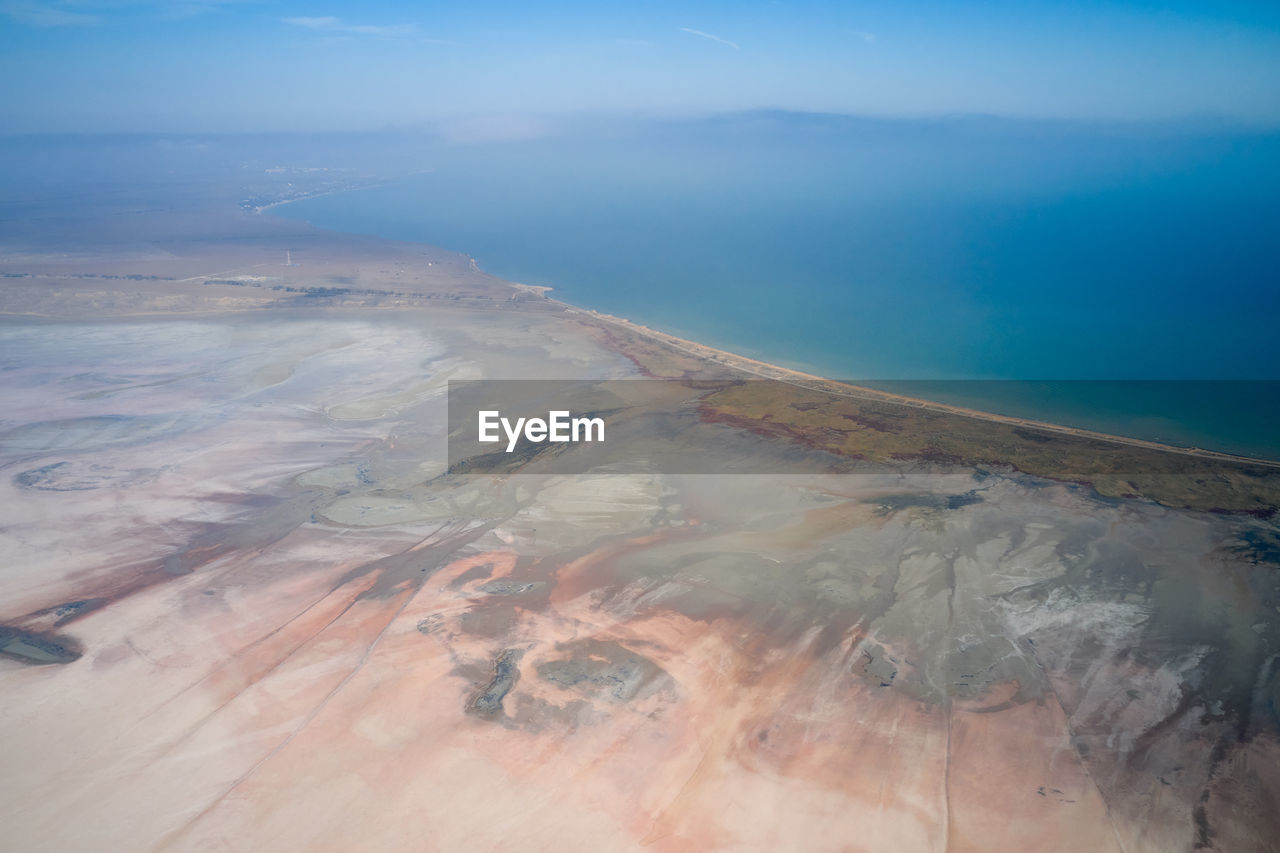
x=260, y=64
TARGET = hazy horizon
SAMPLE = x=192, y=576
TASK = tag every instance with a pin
x=504, y=127
x=225, y=66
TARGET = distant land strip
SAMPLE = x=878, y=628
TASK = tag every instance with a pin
x=337, y=270
x=810, y=381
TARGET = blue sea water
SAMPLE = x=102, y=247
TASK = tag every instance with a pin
x=967, y=249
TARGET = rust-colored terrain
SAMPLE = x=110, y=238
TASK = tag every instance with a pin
x=245, y=606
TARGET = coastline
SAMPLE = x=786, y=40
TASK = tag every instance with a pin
x=800, y=379
x=301, y=483
x=259, y=209
x=767, y=370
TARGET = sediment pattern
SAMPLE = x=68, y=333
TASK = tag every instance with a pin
x=244, y=599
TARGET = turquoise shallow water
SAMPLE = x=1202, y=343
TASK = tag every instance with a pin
x=926, y=251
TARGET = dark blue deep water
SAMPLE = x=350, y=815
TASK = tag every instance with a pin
x=902, y=250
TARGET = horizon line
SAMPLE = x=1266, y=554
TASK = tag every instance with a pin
x=559, y=121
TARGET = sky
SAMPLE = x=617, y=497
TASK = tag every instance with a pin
x=312, y=65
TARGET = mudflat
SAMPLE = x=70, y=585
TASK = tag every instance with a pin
x=244, y=599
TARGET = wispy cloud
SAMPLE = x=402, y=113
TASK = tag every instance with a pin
x=864, y=35
x=715, y=38
x=46, y=15
x=329, y=24
x=87, y=13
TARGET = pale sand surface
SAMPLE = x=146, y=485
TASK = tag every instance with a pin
x=298, y=624
x=282, y=626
